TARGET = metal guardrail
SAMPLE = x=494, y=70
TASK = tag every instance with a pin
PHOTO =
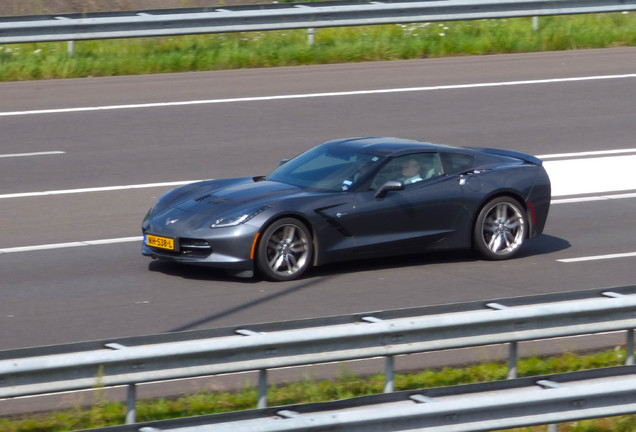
x=467, y=408
x=260, y=347
x=72, y=27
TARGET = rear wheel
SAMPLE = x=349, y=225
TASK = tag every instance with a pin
x=500, y=229
x=285, y=250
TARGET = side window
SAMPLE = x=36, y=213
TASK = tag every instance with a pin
x=431, y=165
x=457, y=162
x=412, y=168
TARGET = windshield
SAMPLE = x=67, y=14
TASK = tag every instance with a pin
x=326, y=168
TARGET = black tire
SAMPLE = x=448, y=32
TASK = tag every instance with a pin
x=285, y=250
x=500, y=229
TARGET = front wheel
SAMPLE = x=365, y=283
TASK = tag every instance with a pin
x=500, y=229
x=285, y=250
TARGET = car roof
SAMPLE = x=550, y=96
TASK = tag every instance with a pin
x=389, y=146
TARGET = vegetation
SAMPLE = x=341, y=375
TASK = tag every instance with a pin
x=345, y=385
x=331, y=45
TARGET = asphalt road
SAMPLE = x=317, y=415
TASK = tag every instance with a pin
x=78, y=160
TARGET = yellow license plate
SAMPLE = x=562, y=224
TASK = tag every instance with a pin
x=159, y=242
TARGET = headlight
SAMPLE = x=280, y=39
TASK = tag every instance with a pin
x=238, y=217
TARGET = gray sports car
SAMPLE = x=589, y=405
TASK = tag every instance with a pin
x=350, y=199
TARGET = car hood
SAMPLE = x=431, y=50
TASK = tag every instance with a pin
x=242, y=192
x=197, y=204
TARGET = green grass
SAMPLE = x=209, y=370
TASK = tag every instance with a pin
x=345, y=385
x=332, y=45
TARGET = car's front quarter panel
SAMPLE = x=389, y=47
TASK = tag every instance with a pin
x=326, y=215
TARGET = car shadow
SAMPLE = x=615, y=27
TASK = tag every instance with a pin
x=194, y=272
x=393, y=262
x=272, y=297
x=541, y=245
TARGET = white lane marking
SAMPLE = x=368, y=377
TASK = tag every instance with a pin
x=96, y=189
x=588, y=153
x=70, y=244
x=591, y=176
x=598, y=257
x=315, y=95
x=46, y=153
x=593, y=198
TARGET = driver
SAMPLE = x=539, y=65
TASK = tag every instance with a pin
x=411, y=171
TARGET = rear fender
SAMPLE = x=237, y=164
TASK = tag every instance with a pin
x=526, y=206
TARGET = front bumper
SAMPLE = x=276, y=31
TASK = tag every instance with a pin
x=227, y=248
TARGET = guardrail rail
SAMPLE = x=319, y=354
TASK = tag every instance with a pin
x=466, y=408
x=173, y=22
x=259, y=347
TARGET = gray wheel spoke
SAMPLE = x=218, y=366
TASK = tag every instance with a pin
x=495, y=243
x=490, y=225
x=297, y=248
x=509, y=239
x=276, y=262
x=501, y=211
x=288, y=233
x=291, y=262
x=512, y=224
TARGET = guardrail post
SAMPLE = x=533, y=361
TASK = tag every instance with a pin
x=512, y=360
x=389, y=375
x=70, y=48
x=310, y=36
x=535, y=23
x=262, y=388
x=131, y=413
x=629, y=348
x=553, y=428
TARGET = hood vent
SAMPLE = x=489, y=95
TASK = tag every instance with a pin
x=203, y=198
x=212, y=199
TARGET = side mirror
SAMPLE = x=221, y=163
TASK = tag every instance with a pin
x=390, y=185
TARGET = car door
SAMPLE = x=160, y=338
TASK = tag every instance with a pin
x=424, y=214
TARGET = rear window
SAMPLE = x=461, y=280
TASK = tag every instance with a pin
x=457, y=162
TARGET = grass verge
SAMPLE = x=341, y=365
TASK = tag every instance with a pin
x=345, y=385
x=332, y=45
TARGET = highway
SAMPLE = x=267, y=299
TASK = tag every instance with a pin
x=81, y=161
